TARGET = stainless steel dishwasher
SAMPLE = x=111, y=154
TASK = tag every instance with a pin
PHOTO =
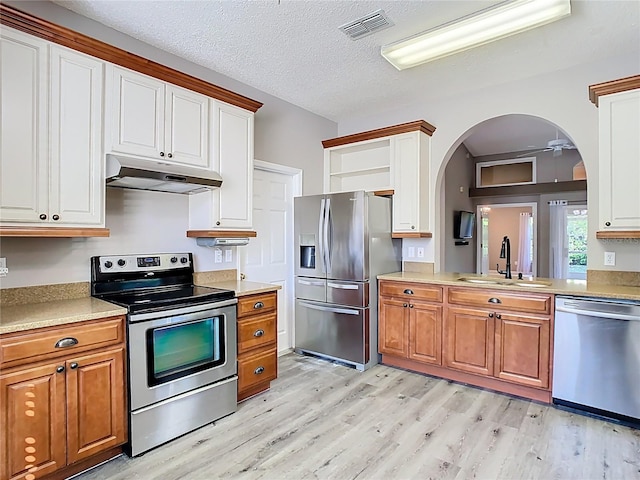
x=596, y=359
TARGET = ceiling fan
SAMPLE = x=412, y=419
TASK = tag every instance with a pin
x=556, y=146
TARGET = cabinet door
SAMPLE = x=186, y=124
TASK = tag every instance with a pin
x=32, y=436
x=469, y=340
x=410, y=165
x=96, y=403
x=425, y=333
x=618, y=161
x=24, y=175
x=136, y=113
x=187, y=127
x=233, y=159
x=522, y=349
x=393, y=333
x=77, y=163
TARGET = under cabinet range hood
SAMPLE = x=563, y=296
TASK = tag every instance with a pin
x=130, y=172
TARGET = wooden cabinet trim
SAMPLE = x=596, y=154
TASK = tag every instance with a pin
x=617, y=234
x=38, y=27
x=411, y=235
x=53, y=232
x=221, y=233
x=614, y=86
x=416, y=126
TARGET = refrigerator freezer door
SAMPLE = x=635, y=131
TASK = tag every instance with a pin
x=355, y=294
x=309, y=220
x=340, y=333
x=311, y=288
x=347, y=243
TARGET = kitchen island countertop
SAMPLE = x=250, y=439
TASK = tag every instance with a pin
x=556, y=286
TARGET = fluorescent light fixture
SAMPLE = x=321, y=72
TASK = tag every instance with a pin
x=494, y=23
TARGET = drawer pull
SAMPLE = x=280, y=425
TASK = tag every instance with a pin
x=258, y=333
x=258, y=305
x=73, y=366
x=494, y=300
x=408, y=291
x=258, y=370
x=66, y=342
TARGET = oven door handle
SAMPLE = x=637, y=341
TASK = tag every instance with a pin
x=193, y=311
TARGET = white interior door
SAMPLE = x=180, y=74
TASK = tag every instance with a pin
x=269, y=257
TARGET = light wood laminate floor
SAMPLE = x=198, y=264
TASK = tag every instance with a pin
x=327, y=421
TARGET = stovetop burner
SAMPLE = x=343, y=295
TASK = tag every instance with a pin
x=144, y=283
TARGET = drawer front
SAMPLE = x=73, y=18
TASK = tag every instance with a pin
x=418, y=291
x=256, y=332
x=38, y=345
x=500, y=300
x=257, y=369
x=255, y=304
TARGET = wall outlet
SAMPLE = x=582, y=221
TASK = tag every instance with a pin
x=3, y=267
x=228, y=255
x=217, y=255
x=610, y=258
x=420, y=252
x=411, y=252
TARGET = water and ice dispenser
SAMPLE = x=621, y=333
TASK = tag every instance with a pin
x=308, y=251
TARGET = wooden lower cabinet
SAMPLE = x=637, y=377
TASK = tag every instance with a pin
x=494, y=339
x=62, y=415
x=257, y=343
x=469, y=340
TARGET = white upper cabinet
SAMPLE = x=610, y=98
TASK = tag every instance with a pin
x=52, y=161
x=153, y=119
x=619, y=161
x=230, y=206
x=24, y=162
x=392, y=159
x=410, y=162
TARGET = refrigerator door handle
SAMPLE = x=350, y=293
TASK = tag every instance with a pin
x=342, y=287
x=346, y=311
x=321, y=246
x=307, y=282
x=327, y=244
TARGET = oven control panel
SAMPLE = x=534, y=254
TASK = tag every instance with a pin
x=143, y=263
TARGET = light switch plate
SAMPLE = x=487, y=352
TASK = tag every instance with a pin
x=411, y=252
x=217, y=255
x=3, y=267
x=228, y=255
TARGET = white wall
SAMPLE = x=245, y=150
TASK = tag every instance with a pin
x=560, y=97
x=143, y=222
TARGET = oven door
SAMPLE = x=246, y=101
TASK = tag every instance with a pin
x=179, y=350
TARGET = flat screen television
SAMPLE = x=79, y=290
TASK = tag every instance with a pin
x=463, y=224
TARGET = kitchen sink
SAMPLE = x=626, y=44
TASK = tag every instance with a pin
x=479, y=280
x=525, y=283
x=505, y=282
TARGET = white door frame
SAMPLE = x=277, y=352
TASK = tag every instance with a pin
x=296, y=176
x=534, y=213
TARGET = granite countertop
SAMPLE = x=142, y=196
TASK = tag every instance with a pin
x=28, y=316
x=242, y=287
x=552, y=285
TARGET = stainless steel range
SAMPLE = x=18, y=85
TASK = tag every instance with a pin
x=181, y=344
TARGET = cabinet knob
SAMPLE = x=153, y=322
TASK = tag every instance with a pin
x=413, y=227
x=162, y=154
x=56, y=217
x=404, y=305
x=258, y=305
x=258, y=370
x=607, y=224
x=258, y=333
x=73, y=366
x=411, y=305
x=43, y=216
x=60, y=369
x=218, y=223
x=491, y=315
x=498, y=316
x=170, y=155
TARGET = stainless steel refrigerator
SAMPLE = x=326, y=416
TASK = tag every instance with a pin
x=342, y=242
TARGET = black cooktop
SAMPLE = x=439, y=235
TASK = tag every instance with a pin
x=150, y=299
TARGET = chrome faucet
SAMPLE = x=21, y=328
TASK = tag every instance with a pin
x=505, y=252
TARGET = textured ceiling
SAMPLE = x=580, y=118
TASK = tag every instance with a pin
x=293, y=49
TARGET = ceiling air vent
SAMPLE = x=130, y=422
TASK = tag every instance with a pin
x=366, y=25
